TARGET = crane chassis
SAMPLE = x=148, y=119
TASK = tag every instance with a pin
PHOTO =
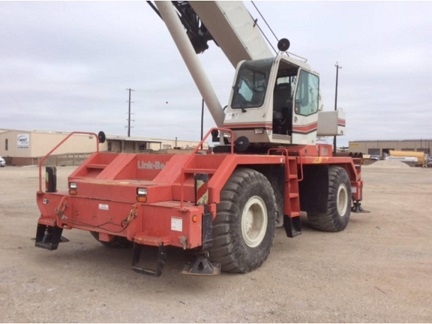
x=224, y=205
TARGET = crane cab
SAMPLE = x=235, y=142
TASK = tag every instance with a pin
x=275, y=101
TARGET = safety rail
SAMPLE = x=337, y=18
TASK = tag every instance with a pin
x=226, y=130
x=199, y=146
x=57, y=146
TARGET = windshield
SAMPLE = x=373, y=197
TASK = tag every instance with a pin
x=251, y=84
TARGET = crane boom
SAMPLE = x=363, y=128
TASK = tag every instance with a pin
x=229, y=24
x=280, y=94
x=233, y=29
x=175, y=27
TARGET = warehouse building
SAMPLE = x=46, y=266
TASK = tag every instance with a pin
x=140, y=144
x=382, y=147
x=19, y=147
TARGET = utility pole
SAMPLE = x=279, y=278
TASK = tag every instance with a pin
x=129, y=111
x=336, y=93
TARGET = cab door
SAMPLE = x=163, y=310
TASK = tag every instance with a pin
x=306, y=103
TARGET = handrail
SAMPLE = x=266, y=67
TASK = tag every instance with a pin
x=282, y=150
x=285, y=152
x=57, y=146
x=200, y=145
x=299, y=158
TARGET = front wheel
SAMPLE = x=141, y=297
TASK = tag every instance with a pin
x=244, y=227
x=338, y=212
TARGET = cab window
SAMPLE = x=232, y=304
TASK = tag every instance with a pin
x=251, y=84
x=307, y=94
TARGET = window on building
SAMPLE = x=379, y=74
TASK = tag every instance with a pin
x=142, y=146
x=387, y=150
x=424, y=150
x=6, y=144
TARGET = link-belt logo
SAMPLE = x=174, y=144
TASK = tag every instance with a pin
x=156, y=165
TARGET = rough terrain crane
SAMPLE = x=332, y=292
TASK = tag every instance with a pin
x=222, y=205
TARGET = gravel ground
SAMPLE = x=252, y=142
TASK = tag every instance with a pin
x=378, y=270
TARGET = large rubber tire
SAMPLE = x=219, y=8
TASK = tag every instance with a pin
x=244, y=228
x=337, y=216
x=116, y=243
x=278, y=189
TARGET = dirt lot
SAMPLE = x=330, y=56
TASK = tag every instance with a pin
x=378, y=270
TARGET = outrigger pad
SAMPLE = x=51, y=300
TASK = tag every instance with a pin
x=357, y=208
x=292, y=226
x=161, y=259
x=49, y=237
x=202, y=266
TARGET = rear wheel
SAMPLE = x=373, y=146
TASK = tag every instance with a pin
x=244, y=227
x=338, y=212
x=117, y=242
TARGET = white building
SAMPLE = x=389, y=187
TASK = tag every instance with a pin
x=20, y=147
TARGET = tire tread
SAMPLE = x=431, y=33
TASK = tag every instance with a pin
x=226, y=249
x=331, y=221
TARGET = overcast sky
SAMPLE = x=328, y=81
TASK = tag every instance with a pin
x=65, y=66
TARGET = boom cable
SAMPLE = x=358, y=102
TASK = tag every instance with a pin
x=265, y=36
x=268, y=26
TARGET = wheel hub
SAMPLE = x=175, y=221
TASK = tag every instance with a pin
x=254, y=221
x=342, y=200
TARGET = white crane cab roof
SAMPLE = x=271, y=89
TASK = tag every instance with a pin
x=274, y=100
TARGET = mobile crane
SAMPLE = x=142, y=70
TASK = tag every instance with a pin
x=223, y=205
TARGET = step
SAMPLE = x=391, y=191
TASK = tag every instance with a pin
x=151, y=240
